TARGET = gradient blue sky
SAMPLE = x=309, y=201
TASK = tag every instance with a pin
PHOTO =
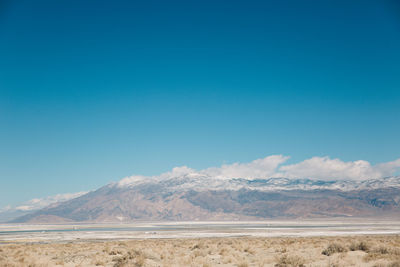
x=92, y=91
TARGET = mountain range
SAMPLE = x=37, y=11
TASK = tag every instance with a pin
x=194, y=196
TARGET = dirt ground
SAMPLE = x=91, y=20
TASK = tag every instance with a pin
x=370, y=250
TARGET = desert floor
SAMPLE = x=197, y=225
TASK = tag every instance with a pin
x=361, y=250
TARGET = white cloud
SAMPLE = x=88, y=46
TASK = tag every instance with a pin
x=6, y=208
x=325, y=168
x=320, y=168
x=177, y=172
x=388, y=168
x=134, y=179
x=38, y=203
x=25, y=208
x=259, y=168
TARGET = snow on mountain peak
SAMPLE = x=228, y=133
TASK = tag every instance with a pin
x=183, y=179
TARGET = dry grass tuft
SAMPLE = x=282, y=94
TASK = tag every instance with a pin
x=333, y=248
x=290, y=261
x=363, y=246
x=382, y=250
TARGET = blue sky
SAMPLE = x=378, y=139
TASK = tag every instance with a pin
x=93, y=91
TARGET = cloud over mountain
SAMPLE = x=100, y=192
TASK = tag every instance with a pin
x=320, y=168
x=325, y=168
x=10, y=211
x=38, y=203
x=259, y=168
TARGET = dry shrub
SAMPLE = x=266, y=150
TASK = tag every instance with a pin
x=120, y=261
x=223, y=251
x=140, y=260
x=199, y=245
x=381, y=250
x=290, y=261
x=372, y=257
x=114, y=252
x=394, y=264
x=135, y=258
x=333, y=248
x=363, y=246
x=281, y=249
x=243, y=264
x=199, y=253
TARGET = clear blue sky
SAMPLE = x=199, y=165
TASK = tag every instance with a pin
x=92, y=91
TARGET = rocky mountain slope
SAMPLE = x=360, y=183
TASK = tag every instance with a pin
x=201, y=197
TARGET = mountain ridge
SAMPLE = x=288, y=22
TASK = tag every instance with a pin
x=201, y=197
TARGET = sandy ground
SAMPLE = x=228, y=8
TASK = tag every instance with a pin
x=371, y=250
